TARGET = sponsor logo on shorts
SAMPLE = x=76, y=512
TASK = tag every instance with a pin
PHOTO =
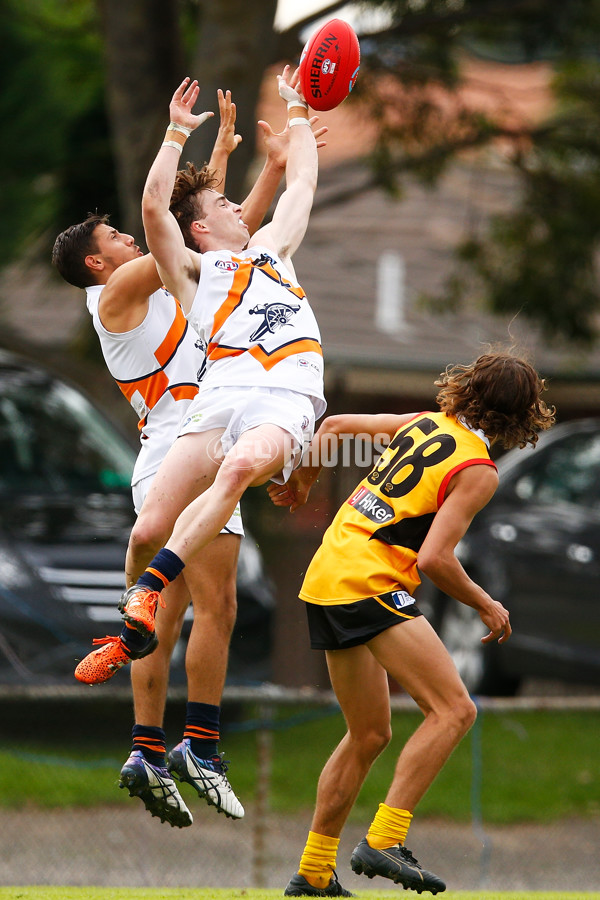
x=197, y=417
x=371, y=506
x=401, y=599
x=304, y=423
x=226, y=265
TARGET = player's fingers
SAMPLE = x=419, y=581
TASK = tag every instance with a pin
x=192, y=90
x=265, y=127
x=506, y=633
x=179, y=92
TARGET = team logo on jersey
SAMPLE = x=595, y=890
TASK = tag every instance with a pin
x=402, y=599
x=227, y=265
x=371, y=506
x=276, y=315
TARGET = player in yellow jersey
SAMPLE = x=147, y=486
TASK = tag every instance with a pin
x=406, y=516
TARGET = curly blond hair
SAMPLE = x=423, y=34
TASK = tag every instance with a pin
x=499, y=393
x=186, y=199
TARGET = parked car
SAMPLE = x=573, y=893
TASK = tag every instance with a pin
x=536, y=548
x=65, y=517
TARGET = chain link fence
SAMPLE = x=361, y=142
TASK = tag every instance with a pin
x=66, y=822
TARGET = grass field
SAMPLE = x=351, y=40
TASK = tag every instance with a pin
x=535, y=766
x=88, y=893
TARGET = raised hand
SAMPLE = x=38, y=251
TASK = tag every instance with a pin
x=289, y=87
x=277, y=142
x=182, y=104
x=227, y=140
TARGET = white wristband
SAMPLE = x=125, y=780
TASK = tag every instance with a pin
x=173, y=126
x=298, y=120
x=298, y=102
x=173, y=144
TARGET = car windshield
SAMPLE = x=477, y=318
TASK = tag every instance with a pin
x=52, y=440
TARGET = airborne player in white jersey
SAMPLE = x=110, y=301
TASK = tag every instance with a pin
x=156, y=359
x=263, y=388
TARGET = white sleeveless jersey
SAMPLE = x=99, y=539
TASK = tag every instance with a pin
x=156, y=366
x=256, y=325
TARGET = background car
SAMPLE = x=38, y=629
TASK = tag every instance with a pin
x=65, y=517
x=536, y=548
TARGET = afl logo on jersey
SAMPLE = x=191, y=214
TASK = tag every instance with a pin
x=226, y=265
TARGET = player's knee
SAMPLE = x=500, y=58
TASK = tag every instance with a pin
x=148, y=535
x=374, y=740
x=463, y=714
x=236, y=475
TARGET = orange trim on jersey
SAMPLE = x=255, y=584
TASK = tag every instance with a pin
x=183, y=391
x=271, y=272
x=213, y=351
x=469, y=462
x=268, y=360
x=173, y=337
x=158, y=574
x=240, y=282
x=152, y=387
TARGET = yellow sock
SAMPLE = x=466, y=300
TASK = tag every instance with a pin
x=318, y=859
x=389, y=827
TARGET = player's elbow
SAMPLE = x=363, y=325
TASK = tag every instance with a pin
x=431, y=563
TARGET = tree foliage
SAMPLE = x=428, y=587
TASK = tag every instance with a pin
x=87, y=85
x=541, y=258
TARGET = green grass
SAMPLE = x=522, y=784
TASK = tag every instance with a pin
x=91, y=893
x=535, y=766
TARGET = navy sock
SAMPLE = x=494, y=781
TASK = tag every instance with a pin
x=202, y=728
x=151, y=741
x=133, y=640
x=165, y=567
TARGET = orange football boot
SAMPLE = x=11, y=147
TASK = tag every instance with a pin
x=138, y=607
x=103, y=663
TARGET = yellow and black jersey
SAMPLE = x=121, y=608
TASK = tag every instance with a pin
x=371, y=546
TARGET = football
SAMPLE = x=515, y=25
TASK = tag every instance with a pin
x=329, y=65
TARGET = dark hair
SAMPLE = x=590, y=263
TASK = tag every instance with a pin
x=499, y=393
x=186, y=200
x=71, y=248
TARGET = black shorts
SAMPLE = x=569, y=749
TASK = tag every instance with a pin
x=344, y=625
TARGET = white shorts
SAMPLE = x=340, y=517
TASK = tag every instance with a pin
x=238, y=409
x=141, y=487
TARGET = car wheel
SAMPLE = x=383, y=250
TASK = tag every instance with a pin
x=461, y=630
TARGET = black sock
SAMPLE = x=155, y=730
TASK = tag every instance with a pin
x=202, y=728
x=150, y=739
x=165, y=567
x=133, y=640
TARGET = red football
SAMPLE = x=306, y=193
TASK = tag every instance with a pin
x=329, y=65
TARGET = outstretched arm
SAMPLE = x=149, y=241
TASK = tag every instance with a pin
x=258, y=201
x=290, y=220
x=227, y=140
x=332, y=431
x=178, y=267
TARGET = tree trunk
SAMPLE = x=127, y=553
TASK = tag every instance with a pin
x=144, y=63
x=236, y=42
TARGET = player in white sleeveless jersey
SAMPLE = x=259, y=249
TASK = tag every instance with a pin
x=263, y=387
x=156, y=360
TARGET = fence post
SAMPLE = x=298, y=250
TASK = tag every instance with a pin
x=476, y=803
x=264, y=741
